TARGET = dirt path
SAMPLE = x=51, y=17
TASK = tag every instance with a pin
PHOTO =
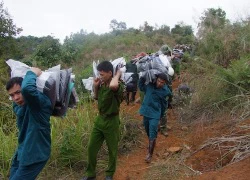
x=133, y=165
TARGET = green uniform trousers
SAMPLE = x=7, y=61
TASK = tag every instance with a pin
x=177, y=69
x=105, y=128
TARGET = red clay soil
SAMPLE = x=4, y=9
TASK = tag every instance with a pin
x=236, y=171
x=132, y=166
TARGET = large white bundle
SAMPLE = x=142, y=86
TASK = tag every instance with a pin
x=119, y=63
x=88, y=83
x=47, y=82
x=54, y=83
x=165, y=61
x=18, y=69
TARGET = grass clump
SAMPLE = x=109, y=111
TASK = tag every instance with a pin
x=217, y=89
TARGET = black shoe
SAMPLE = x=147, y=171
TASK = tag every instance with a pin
x=108, y=178
x=88, y=178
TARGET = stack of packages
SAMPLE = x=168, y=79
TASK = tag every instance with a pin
x=55, y=83
x=149, y=66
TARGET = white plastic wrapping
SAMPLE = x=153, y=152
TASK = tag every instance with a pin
x=88, y=84
x=95, y=72
x=46, y=82
x=118, y=63
x=165, y=61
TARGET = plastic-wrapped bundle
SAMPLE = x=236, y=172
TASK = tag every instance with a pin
x=65, y=89
x=143, y=63
x=54, y=83
x=166, y=60
x=118, y=63
x=149, y=66
x=56, y=76
x=88, y=84
x=46, y=82
x=128, y=77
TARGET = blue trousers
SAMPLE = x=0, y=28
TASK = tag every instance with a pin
x=151, y=127
x=30, y=172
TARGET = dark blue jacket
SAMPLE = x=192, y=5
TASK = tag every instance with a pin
x=155, y=100
x=33, y=122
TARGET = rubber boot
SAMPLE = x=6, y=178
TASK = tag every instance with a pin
x=151, y=147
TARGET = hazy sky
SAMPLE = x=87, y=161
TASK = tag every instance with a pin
x=60, y=18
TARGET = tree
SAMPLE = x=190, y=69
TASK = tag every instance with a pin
x=147, y=28
x=115, y=25
x=183, y=33
x=164, y=30
x=213, y=19
x=182, y=29
x=7, y=31
x=49, y=52
x=78, y=38
x=70, y=50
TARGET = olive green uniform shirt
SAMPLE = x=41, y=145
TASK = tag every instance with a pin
x=109, y=101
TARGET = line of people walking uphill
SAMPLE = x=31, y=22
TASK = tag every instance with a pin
x=33, y=110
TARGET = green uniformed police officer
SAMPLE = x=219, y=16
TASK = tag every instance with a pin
x=108, y=91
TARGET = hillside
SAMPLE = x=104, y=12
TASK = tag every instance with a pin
x=208, y=131
x=180, y=156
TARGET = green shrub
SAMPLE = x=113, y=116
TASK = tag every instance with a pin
x=237, y=76
x=8, y=141
x=218, y=89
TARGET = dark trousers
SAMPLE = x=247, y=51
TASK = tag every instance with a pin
x=131, y=96
x=151, y=127
x=30, y=172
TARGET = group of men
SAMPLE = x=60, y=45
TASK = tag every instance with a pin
x=33, y=110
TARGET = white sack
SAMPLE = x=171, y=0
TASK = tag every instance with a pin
x=19, y=69
x=121, y=64
x=165, y=61
x=88, y=83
